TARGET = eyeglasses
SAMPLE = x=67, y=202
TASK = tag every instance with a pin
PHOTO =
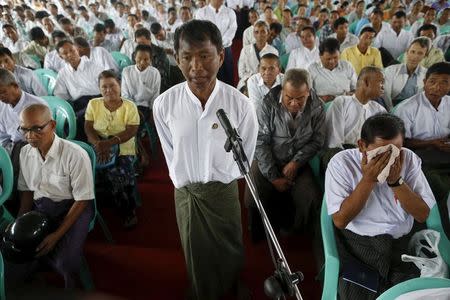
x=34, y=129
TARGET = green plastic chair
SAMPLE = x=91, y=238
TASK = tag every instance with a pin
x=36, y=59
x=121, y=59
x=47, y=78
x=97, y=216
x=331, y=267
x=284, y=60
x=63, y=114
x=415, y=284
x=6, y=170
x=2, y=279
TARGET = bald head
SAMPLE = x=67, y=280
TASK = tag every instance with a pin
x=370, y=83
x=37, y=126
x=39, y=111
x=7, y=78
x=368, y=72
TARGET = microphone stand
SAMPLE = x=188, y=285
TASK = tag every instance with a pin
x=283, y=282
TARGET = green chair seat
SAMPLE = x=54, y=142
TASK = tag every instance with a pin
x=121, y=59
x=415, y=284
x=6, y=169
x=47, y=78
x=63, y=114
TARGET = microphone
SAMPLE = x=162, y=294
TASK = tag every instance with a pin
x=226, y=124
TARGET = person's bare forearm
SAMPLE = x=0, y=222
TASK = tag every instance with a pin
x=72, y=216
x=26, y=202
x=353, y=204
x=411, y=202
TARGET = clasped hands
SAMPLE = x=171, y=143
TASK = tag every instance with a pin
x=372, y=169
x=289, y=172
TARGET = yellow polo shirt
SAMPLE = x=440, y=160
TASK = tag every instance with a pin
x=359, y=60
x=108, y=123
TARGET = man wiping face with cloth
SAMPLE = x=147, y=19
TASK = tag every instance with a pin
x=374, y=194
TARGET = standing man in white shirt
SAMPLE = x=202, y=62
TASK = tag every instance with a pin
x=307, y=54
x=375, y=219
x=204, y=175
x=225, y=20
x=247, y=37
x=395, y=39
x=56, y=179
x=332, y=77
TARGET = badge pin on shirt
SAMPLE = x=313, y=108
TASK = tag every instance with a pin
x=215, y=126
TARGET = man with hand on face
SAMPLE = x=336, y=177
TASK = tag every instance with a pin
x=291, y=131
x=374, y=194
x=204, y=175
x=56, y=179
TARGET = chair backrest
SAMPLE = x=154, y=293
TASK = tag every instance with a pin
x=415, y=284
x=331, y=277
x=36, y=59
x=284, y=61
x=2, y=279
x=47, y=78
x=121, y=59
x=63, y=114
x=93, y=159
x=434, y=222
x=8, y=176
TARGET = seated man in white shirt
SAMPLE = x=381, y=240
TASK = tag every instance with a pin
x=70, y=30
x=394, y=39
x=13, y=41
x=346, y=114
x=341, y=33
x=99, y=39
x=374, y=205
x=268, y=77
x=427, y=121
x=251, y=54
x=307, y=54
x=27, y=80
x=77, y=82
x=164, y=39
x=332, y=77
x=405, y=80
x=98, y=55
x=52, y=60
x=247, y=37
x=56, y=179
x=114, y=34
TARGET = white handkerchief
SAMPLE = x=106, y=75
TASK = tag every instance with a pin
x=395, y=152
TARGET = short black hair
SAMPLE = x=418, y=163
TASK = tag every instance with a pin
x=367, y=29
x=61, y=44
x=58, y=34
x=142, y=48
x=5, y=52
x=197, y=31
x=82, y=8
x=171, y=9
x=155, y=28
x=99, y=27
x=5, y=26
x=144, y=32
x=384, y=126
x=41, y=14
x=438, y=68
x=400, y=14
x=377, y=11
x=339, y=21
x=64, y=21
x=309, y=28
x=81, y=42
x=277, y=27
x=330, y=45
x=108, y=74
x=427, y=27
x=109, y=23
x=271, y=56
x=36, y=34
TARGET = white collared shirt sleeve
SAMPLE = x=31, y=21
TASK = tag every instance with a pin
x=335, y=124
x=337, y=185
x=61, y=89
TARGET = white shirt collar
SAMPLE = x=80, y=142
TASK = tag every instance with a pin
x=53, y=151
x=194, y=98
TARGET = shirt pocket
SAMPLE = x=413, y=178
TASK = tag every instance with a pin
x=59, y=185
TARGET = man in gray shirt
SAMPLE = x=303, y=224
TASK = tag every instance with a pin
x=291, y=131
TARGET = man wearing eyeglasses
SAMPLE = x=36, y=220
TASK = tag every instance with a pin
x=291, y=131
x=56, y=179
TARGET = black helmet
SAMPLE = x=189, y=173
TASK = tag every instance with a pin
x=23, y=236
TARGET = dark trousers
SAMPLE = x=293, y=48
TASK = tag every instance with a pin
x=67, y=255
x=292, y=210
x=381, y=254
x=226, y=70
x=79, y=106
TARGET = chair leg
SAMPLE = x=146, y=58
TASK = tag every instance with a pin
x=85, y=276
x=105, y=228
x=5, y=218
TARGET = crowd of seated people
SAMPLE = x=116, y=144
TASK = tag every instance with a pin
x=329, y=80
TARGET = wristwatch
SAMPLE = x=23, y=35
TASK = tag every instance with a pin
x=399, y=182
